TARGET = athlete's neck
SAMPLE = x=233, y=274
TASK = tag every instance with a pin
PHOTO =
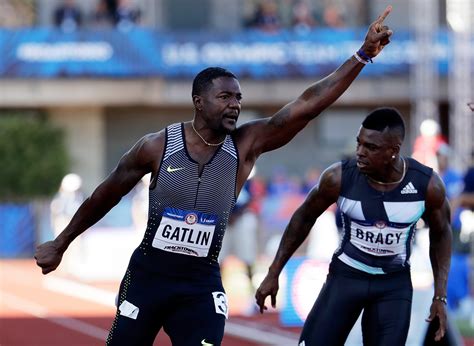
x=399, y=168
x=210, y=144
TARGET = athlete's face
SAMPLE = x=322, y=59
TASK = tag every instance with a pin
x=221, y=104
x=374, y=151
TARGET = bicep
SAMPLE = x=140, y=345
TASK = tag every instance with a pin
x=133, y=165
x=275, y=131
x=438, y=219
x=323, y=195
x=438, y=213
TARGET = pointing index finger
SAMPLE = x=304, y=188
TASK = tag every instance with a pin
x=385, y=13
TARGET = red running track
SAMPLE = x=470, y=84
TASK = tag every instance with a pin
x=34, y=310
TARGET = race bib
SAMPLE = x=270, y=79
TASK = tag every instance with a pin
x=380, y=239
x=185, y=232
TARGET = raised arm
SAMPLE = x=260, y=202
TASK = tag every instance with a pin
x=318, y=200
x=274, y=132
x=437, y=215
x=141, y=159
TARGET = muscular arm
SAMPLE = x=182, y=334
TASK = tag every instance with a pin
x=321, y=197
x=317, y=201
x=437, y=215
x=271, y=133
x=141, y=159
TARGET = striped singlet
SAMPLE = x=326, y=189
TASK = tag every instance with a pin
x=188, y=212
x=379, y=227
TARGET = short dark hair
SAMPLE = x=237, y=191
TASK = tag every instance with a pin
x=203, y=79
x=384, y=118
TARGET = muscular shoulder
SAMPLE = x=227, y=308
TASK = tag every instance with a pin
x=331, y=178
x=436, y=192
x=149, y=149
x=245, y=134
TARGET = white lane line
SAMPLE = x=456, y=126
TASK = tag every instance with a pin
x=107, y=298
x=258, y=335
x=23, y=305
x=79, y=290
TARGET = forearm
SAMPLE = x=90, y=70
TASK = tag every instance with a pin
x=440, y=257
x=323, y=93
x=91, y=211
x=294, y=235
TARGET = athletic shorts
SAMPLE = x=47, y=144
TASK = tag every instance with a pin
x=385, y=301
x=191, y=312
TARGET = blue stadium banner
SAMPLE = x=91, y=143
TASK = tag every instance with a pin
x=47, y=53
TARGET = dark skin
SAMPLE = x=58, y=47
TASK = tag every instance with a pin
x=375, y=151
x=216, y=114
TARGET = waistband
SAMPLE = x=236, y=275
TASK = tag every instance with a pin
x=338, y=267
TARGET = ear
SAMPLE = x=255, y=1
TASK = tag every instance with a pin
x=396, y=149
x=197, y=101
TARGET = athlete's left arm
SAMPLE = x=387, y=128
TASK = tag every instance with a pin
x=437, y=215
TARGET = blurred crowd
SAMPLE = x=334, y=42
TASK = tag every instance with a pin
x=121, y=14
x=264, y=15
x=304, y=15
x=69, y=15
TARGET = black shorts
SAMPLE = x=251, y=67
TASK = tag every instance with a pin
x=191, y=312
x=384, y=299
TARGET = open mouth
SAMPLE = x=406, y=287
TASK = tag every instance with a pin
x=231, y=119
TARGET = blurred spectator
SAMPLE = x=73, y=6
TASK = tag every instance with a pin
x=111, y=6
x=467, y=197
x=66, y=202
x=68, y=16
x=14, y=13
x=303, y=20
x=281, y=184
x=458, y=288
x=266, y=17
x=102, y=16
x=458, y=283
x=333, y=16
x=126, y=15
x=466, y=200
x=427, y=143
x=310, y=179
x=452, y=179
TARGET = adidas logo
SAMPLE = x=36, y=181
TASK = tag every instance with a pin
x=409, y=188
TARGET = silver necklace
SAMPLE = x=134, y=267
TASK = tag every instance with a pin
x=206, y=142
x=393, y=182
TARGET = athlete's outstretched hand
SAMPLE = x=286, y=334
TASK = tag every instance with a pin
x=268, y=287
x=48, y=256
x=378, y=35
x=438, y=309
